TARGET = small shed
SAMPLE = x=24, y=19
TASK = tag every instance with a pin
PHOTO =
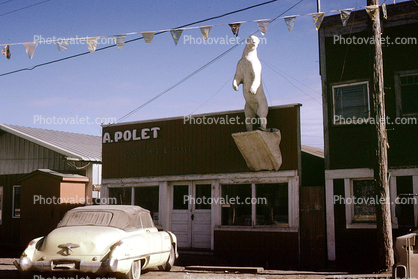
x=45, y=197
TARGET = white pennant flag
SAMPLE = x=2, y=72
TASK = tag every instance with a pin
x=372, y=11
x=205, y=32
x=318, y=18
x=30, y=48
x=176, y=33
x=345, y=15
x=290, y=21
x=119, y=41
x=62, y=44
x=148, y=36
x=91, y=43
x=262, y=25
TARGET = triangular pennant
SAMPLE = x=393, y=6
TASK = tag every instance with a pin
x=372, y=11
x=30, y=48
x=148, y=36
x=318, y=18
x=345, y=15
x=235, y=28
x=120, y=41
x=262, y=25
x=205, y=32
x=91, y=43
x=385, y=11
x=290, y=21
x=6, y=51
x=62, y=44
x=176, y=33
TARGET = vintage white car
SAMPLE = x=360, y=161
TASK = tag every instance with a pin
x=102, y=239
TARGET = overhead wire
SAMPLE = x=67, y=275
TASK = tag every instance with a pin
x=22, y=8
x=294, y=85
x=133, y=40
x=199, y=69
x=226, y=82
x=5, y=2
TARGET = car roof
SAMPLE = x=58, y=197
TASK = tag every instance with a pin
x=126, y=208
x=123, y=217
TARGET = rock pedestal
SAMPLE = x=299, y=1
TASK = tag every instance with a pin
x=260, y=149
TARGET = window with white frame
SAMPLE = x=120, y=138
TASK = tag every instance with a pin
x=351, y=102
x=274, y=209
x=16, y=202
x=255, y=204
x=406, y=87
x=1, y=205
x=364, y=201
x=360, y=202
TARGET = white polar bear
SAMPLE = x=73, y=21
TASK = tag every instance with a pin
x=249, y=74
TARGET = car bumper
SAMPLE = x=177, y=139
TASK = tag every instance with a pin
x=62, y=265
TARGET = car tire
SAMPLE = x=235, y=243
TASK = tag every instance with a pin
x=170, y=262
x=133, y=273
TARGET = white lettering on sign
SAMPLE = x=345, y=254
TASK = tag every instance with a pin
x=128, y=135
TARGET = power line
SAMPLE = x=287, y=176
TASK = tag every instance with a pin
x=271, y=66
x=23, y=7
x=6, y=2
x=294, y=84
x=129, y=41
x=198, y=70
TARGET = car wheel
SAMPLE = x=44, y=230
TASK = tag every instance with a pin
x=170, y=262
x=135, y=271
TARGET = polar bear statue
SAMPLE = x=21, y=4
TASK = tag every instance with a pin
x=249, y=74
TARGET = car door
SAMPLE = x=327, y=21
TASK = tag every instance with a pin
x=154, y=238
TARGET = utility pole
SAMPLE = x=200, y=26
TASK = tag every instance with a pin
x=383, y=215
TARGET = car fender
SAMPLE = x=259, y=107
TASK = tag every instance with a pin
x=129, y=249
x=173, y=242
x=31, y=248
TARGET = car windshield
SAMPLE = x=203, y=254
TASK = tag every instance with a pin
x=90, y=218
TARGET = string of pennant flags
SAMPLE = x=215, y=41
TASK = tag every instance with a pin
x=91, y=42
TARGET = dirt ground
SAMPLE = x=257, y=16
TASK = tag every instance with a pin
x=9, y=271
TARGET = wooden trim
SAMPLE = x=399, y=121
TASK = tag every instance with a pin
x=330, y=221
x=249, y=177
x=348, y=173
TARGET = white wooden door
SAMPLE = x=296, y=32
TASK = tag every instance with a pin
x=191, y=215
x=201, y=216
x=180, y=215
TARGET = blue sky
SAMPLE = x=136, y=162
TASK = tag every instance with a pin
x=110, y=83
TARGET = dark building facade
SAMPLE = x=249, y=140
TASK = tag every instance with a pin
x=191, y=175
x=346, y=72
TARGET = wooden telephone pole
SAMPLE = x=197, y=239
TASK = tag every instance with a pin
x=383, y=215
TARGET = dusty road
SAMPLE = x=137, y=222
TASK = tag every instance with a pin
x=8, y=271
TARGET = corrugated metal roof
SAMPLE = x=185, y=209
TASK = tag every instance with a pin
x=78, y=146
